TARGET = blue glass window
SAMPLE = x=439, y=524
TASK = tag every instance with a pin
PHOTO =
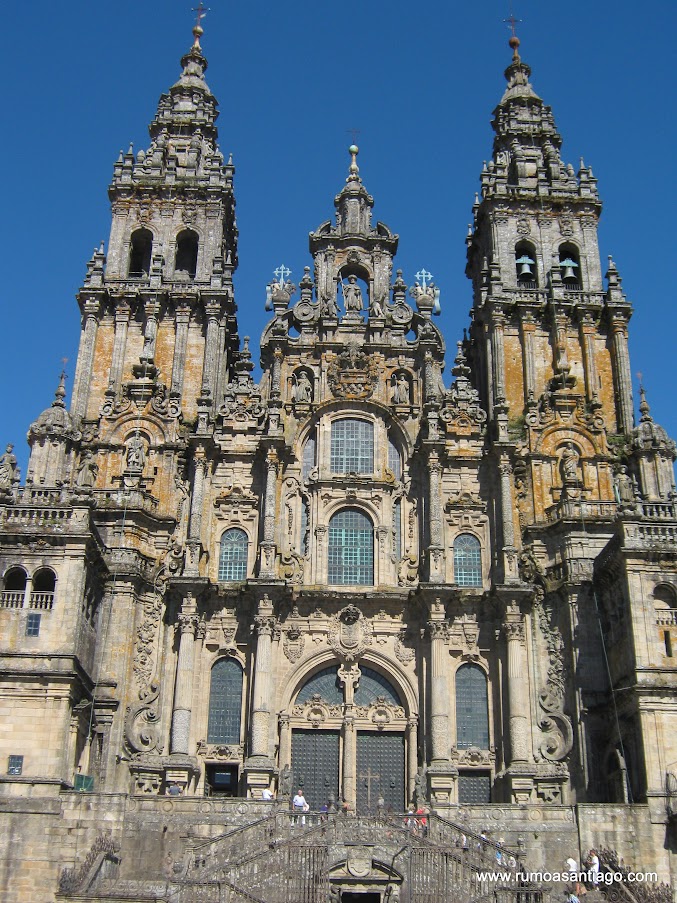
x=467, y=561
x=472, y=712
x=351, y=549
x=225, y=702
x=394, y=460
x=352, y=446
x=233, y=555
x=373, y=684
x=325, y=684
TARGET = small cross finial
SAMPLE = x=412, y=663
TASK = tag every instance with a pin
x=512, y=21
x=423, y=277
x=201, y=11
x=282, y=272
x=353, y=134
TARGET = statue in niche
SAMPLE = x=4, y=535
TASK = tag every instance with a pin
x=420, y=781
x=136, y=454
x=352, y=295
x=8, y=467
x=328, y=307
x=87, y=471
x=303, y=389
x=569, y=465
x=401, y=393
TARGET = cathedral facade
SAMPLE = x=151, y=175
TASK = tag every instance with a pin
x=351, y=578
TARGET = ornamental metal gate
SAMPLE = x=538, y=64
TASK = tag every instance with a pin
x=380, y=770
x=315, y=765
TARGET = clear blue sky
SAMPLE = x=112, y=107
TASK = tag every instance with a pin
x=418, y=79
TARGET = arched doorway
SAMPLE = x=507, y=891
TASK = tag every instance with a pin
x=349, y=740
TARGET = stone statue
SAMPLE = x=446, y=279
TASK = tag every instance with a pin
x=376, y=309
x=8, y=468
x=401, y=390
x=328, y=307
x=285, y=781
x=352, y=295
x=419, y=786
x=569, y=465
x=625, y=491
x=87, y=471
x=136, y=454
x=303, y=389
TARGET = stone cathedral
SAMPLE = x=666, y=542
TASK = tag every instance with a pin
x=363, y=577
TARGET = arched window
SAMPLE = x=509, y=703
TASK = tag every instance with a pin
x=352, y=446
x=525, y=264
x=324, y=684
x=570, y=266
x=233, y=555
x=225, y=702
x=44, y=585
x=14, y=588
x=140, y=251
x=372, y=685
x=351, y=549
x=467, y=561
x=472, y=711
x=186, y=254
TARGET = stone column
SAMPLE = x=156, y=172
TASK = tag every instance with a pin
x=436, y=548
x=412, y=755
x=195, y=523
x=269, y=516
x=507, y=517
x=85, y=357
x=183, y=691
x=212, y=312
x=498, y=356
x=529, y=365
x=622, y=377
x=277, y=372
x=518, y=690
x=350, y=678
x=265, y=624
x=284, y=722
x=587, y=339
x=182, y=319
x=122, y=315
x=439, y=690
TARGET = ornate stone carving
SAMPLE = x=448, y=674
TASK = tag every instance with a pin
x=142, y=722
x=224, y=752
x=380, y=712
x=555, y=724
x=293, y=643
x=353, y=374
x=74, y=880
x=292, y=566
x=407, y=570
x=464, y=634
x=315, y=711
x=403, y=651
x=349, y=633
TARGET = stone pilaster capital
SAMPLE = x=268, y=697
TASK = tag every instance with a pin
x=513, y=629
x=91, y=309
x=213, y=309
x=504, y=466
x=284, y=719
x=188, y=623
x=438, y=629
x=412, y=722
x=264, y=625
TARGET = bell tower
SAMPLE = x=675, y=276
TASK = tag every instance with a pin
x=158, y=313
x=548, y=338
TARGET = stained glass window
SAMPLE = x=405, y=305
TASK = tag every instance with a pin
x=351, y=549
x=352, y=446
x=233, y=555
x=472, y=715
x=373, y=684
x=325, y=684
x=467, y=561
x=225, y=702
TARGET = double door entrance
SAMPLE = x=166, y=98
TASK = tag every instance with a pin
x=318, y=766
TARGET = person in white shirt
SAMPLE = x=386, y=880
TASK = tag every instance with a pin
x=266, y=794
x=593, y=859
x=300, y=805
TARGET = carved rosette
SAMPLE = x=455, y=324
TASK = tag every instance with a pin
x=349, y=633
